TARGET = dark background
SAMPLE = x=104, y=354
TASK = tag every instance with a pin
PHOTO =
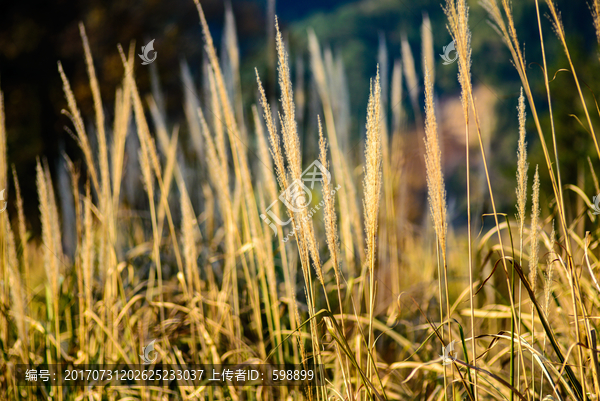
x=35, y=35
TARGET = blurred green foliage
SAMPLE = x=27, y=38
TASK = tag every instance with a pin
x=353, y=32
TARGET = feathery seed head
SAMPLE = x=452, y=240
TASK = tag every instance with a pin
x=457, y=12
x=276, y=151
x=433, y=165
x=372, y=181
x=329, y=209
x=596, y=16
x=291, y=142
x=410, y=73
x=522, y=165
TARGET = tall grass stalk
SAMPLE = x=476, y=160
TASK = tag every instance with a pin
x=351, y=226
x=4, y=288
x=534, y=246
x=427, y=52
x=457, y=12
x=51, y=251
x=558, y=175
x=559, y=29
x=301, y=225
x=410, y=73
x=270, y=188
x=560, y=32
x=21, y=225
x=436, y=192
x=372, y=190
x=550, y=262
x=521, y=191
x=508, y=33
x=330, y=219
x=16, y=289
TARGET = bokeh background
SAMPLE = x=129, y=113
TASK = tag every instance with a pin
x=35, y=35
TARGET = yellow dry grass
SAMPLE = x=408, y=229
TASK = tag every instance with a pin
x=371, y=299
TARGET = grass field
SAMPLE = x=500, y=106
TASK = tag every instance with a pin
x=224, y=264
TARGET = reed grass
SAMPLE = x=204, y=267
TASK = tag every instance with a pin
x=521, y=192
x=372, y=192
x=437, y=204
x=200, y=270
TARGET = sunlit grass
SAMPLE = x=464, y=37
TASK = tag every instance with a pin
x=370, y=297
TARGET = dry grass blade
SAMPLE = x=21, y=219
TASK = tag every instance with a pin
x=22, y=229
x=3, y=163
x=102, y=147
x=221, y=287
x=575, y=384
x=49, y=221
x=87, y=251
x=82, y=137
x=347, y=192
x=396, y=94
x=16, y=290
x=410, y=74
x=191, y=105
x=427, y=53
x=457, y=12
x=436, y=194
x=560, y=32
x=121, y=125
